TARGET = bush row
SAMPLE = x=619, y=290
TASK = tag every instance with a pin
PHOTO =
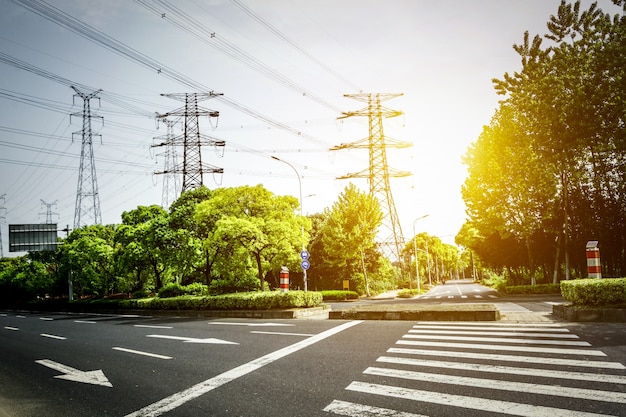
x=595, y=292
x=266, y=300
x=174, y=289
x=339, y=295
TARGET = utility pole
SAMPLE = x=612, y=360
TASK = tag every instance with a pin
x=87, y=199
x=378, y=172
x=192, y=140
x=3, y=220
x=49, y=212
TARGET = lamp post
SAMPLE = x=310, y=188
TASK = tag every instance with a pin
x=302, y=228
x=417, y=271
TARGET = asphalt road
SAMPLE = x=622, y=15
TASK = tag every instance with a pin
x=106, y=365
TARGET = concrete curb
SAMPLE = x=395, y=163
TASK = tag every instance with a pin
x=590, y=314
x=461, y=312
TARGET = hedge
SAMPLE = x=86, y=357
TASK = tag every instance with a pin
x=266, y=300
x=595, y=292
x=339, y=295
x=533, y=289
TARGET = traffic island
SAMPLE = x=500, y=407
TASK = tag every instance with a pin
x=460, y=312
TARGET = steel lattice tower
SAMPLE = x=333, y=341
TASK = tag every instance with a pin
x=378, y=173
x=171, y=183
x=49, y=212
x=87, y=199
x=3, y=220
x=192, y=140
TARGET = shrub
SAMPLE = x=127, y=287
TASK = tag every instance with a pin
x=174, y=289
x=408, y=293
x=339, y=295
x=228, y=286
x=595, y=292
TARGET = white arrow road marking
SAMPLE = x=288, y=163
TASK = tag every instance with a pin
x=71, y=374
x=251, y=324
x=193, y=339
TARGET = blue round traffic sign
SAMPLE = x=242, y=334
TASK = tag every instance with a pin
x=305, y=264
x=304, y=255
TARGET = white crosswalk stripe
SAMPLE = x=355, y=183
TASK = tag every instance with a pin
x=452, y=368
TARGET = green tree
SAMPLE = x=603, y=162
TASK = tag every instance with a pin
x=253, y=219
x=88, y=255
x=147, y=243
x=347, y=239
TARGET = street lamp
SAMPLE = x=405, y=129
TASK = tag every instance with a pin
x=302, y=229
x=417, y=271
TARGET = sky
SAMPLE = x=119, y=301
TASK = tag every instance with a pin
x=281, y=68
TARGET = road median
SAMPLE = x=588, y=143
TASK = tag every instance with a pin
x=459, y=312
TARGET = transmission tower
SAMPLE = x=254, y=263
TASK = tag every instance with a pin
x=87, y=199
x=49, y=212
x=171, y=183
x=192, y=140
x=378, y=173
x=3, y=219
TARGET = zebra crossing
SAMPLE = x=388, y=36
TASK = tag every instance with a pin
x=449, y=296
x=487, y=369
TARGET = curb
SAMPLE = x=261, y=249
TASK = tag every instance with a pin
x=461, y=312
x=590, y=314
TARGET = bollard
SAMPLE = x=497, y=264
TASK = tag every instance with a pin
x=284, y=279
x=593, y=260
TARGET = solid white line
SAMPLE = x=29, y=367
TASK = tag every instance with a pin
x=482, y=404
x=148, y=326
x=506, y=327
x=282, y=334
x=51, y=336
x=479, y=367
x=560, y=351
x=559, y=391
x=498, y=340
x=138, y=352
x=46, y=318
x=496, y=333
x=176, y=400
x=264, y=324
x=85, y=321
x=344, y=408
x=510, y=358
x=484, y=324
x=11, y=328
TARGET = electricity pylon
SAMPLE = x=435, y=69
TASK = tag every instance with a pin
x=49, y=212
x=171, y=183
x=378, y=172
x=3, y=220
x=87, y=199
x=192, y=140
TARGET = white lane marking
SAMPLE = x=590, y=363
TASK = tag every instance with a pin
x=51, y=336
x=499, y=332
x=20, y=316
x=138, y=352
x=85, y=321
x=493, y=296
x=484, y=324
x=227, y=323
x=511, y=370
x=488, y=328
x=178, y=399
x=11, y=328
x=449, y=345
x=209, y=340
x=510, y=358
x=46, y=318
x=282, y=334
x=72, y=374
x=482, y=404
x=344, y=408
x=542, y=389
x=3, y=315
x=498, y=340
x=150, y=326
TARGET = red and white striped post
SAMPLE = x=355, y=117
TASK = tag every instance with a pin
x=284, y=279
x=593, y=260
